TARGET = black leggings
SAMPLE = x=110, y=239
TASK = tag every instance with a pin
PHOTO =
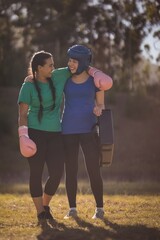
x=49, y=151
x=90, y=148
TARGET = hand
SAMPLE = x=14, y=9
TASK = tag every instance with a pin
x=98, y=110
x=27, y=146
x=101, y=80
x=29, y=79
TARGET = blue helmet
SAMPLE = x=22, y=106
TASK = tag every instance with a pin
x=82, y=54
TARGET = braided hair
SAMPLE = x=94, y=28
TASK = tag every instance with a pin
x=37, y=59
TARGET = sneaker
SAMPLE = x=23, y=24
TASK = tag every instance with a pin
x=41, y=217
x=71, y=214
x=99, y=213
x=48, y=215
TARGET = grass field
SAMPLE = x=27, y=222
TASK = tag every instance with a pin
x=127, y=216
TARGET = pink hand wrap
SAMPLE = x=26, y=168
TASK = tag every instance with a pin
x=101, y=80
x=27, y=146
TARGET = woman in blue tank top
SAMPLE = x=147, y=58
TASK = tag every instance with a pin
x=83, y=103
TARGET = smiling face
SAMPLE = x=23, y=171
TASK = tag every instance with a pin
x=45, y=71
x=73, y=65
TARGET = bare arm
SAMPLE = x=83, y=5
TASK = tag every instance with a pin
x=23, y=111
x=99, y=103
x=27, y=147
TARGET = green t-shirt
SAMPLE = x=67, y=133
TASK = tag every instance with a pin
x=51, y=118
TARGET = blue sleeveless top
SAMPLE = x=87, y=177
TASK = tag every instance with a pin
x=78, y=116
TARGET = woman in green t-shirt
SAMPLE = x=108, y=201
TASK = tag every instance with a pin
x=40, y=130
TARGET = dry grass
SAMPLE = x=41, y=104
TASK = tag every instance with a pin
x=127, y=217
x=110, y=187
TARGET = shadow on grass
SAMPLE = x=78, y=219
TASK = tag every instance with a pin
x=135, y=232
x=88, y=231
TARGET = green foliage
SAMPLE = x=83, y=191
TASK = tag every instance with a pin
x=28, y=26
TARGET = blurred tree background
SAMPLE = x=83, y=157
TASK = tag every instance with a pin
x=115, y=31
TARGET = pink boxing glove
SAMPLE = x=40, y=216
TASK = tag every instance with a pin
x=101, y=80
x=27, y=147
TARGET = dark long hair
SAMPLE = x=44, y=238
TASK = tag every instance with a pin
x=39, y=58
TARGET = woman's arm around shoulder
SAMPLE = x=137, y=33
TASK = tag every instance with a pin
x=61, y=74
